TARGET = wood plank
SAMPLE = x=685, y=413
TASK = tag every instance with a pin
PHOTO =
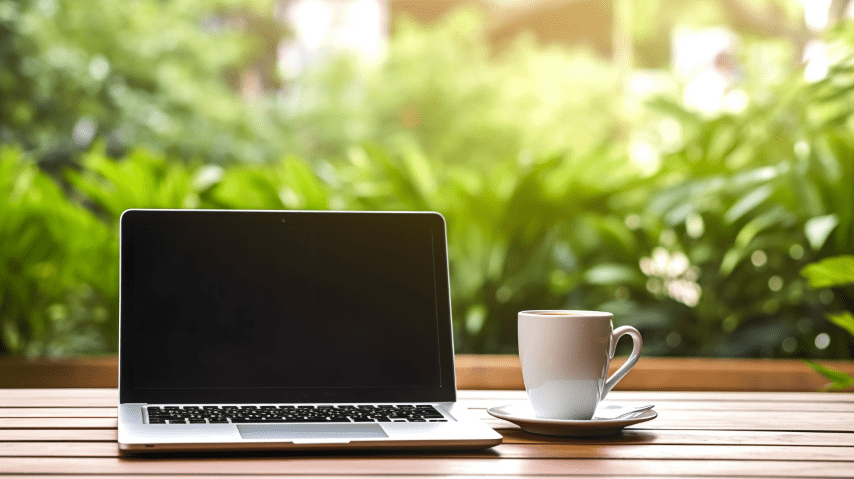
x=59, y=449
x=480, y=408
x=517, y=436
x=443, y=466
x=734, y=421
x=62, y=435
x=664, y=374
x=81, y=372
x=314, y=476
x=506, y=451
x=60, y=392
x=488, y=372
x=58, y=423
x=58, y=402
x=688, y=437
x=662, y=406
x=682, y=420
x=59, y=412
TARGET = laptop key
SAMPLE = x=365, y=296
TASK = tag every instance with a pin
x=303, y=413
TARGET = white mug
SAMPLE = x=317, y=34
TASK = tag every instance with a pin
x=565, y=357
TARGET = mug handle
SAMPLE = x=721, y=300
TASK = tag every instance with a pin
x=637, y=345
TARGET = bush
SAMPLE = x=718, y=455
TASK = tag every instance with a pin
x=458, y=99
x=702, y=252
x=143, y=72
x=58, y=268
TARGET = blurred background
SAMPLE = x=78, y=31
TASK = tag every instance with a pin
x=679, y=163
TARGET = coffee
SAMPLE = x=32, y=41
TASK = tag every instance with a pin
x=554, y=313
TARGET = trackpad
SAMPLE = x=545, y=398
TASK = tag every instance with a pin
x=310, y=431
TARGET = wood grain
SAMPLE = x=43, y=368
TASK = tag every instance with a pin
x=58, y=412
x=734, y=421
x=683, y=420
x=57, y=423
x=488, y=372
x=484, y=372
x=335, y=465
x=691, y=437
x=507, y=451
x=86, y=435
x=517, y=436
x=55, y=432
x=327, y=476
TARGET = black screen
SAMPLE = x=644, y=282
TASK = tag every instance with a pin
x=314, y=309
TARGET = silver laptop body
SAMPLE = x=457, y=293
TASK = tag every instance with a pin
x=256, y=330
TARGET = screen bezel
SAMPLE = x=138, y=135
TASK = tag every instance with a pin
x=130, y=219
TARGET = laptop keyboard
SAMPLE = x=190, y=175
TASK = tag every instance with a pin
x=292, y=414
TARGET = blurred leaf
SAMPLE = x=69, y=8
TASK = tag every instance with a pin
x=302, y=179
x=830, y=272
x=844, y=320
x=818, y=229
x=748, y=202
x=419, y=170
x=747, y=234
x=614, y=274
x=838, y=379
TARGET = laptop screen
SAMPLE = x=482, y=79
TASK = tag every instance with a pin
x=283, y=307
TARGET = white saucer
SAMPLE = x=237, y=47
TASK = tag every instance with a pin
x=523, y=415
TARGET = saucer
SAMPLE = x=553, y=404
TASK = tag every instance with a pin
x=523, y=415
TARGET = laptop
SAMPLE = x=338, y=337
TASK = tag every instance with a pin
x=256, y=330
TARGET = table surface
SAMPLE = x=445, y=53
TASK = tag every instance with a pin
x=711, y=434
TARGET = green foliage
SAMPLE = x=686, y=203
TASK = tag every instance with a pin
x=459, y=100
x=835, y=271
x=844, y=320
x=838, y=272
x=144, y=72
x=838, y=379
x=58, y=267
x=287, y=184
x=143, y=181
x=530, y=153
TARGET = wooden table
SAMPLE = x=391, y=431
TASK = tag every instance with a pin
x=711, y=434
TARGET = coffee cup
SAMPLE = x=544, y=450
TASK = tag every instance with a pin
x=565, y=357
